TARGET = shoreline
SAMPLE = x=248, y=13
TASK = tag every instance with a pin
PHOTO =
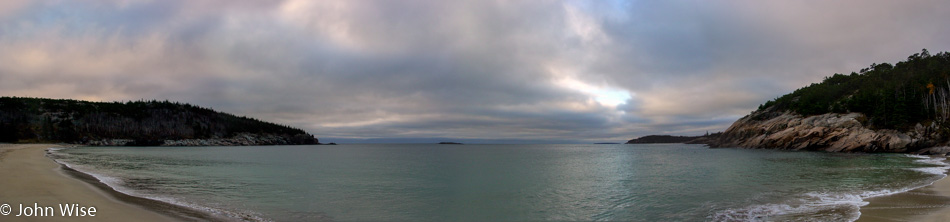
x=32, y=177
x=169, y=209
x=927, y=203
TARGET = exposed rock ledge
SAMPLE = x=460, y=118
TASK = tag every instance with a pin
x=244, y=139
x=827, y=132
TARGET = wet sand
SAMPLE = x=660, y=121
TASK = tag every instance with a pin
x=929, y=203
x=28, y=177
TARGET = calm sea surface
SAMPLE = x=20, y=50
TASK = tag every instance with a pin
x=423, y=182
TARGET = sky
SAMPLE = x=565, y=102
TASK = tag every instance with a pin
x=467, y=70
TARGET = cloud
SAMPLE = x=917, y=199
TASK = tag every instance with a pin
x=12, y=7
x=548, y=70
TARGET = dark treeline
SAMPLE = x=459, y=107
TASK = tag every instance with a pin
x=891, y=96
x=662, y=139
x=673, y=139
x=61, y=120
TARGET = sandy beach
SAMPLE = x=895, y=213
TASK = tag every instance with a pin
x=34, y=180
x=929, y=203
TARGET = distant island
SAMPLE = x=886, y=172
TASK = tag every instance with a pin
x=882, y=108
x=135, y=123
x=651, y=139
x=450, y=143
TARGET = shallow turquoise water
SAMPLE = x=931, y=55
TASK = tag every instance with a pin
x=423, y=182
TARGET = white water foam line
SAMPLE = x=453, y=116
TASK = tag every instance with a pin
x=818, y=201
x=941, y=165
x=115, y=184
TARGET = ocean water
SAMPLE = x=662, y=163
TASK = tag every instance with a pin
x=427, y=182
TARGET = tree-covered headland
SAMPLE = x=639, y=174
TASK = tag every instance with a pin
x=143, y=122
x=895, y=96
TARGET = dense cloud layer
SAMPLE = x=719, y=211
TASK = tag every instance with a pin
x=532, y=70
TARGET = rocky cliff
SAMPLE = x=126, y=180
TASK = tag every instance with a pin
x=773, y=129
x=904, y=107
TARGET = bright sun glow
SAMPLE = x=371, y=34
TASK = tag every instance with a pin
x=602, y=94
x=607, y=96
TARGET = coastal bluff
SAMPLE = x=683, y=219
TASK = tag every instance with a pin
x=899, y=108
x=136, y=123
x=833, y=132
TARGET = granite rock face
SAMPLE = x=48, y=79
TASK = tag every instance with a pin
x=832, y=132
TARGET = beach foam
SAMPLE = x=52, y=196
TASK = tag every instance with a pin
x=941, y=166
x=809, y=206
x=118, y=184
x=40, y=182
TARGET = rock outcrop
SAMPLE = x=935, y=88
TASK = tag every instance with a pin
x=832, y=132
x=243, y=139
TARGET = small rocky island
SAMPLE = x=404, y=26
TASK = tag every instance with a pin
x=450, y=143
